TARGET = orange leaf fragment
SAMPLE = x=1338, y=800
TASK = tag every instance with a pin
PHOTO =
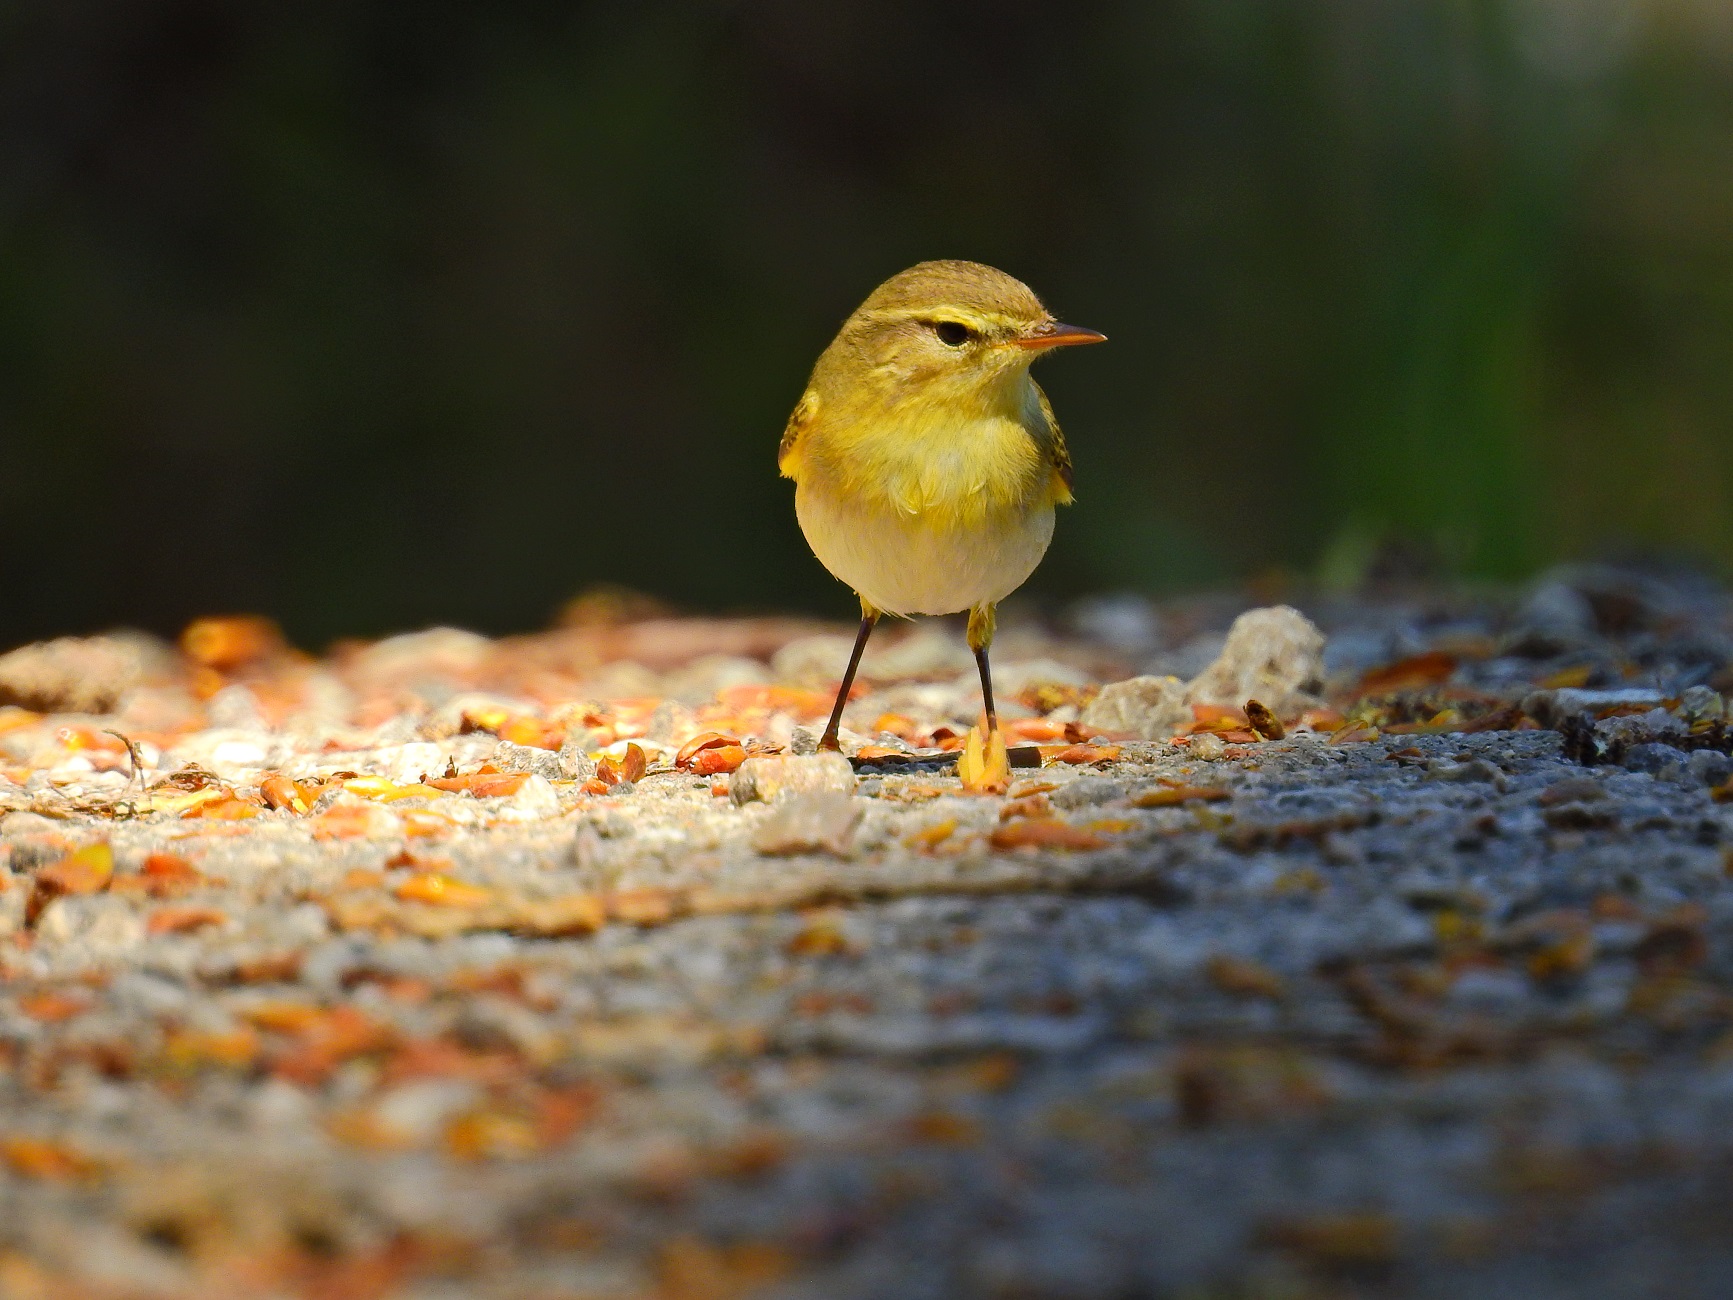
x=626, y=770
x=84, y=871
x=183, y=920
x=1047, y=833
x=718, y=761
x=1217, y=717
x=223, y=810
x=1080, y=754
x=325, y=1041
x=442, y=891
x=644, y=906
x=1173, y=796
x=13, y=718
x=351, y=821
x=524, y=730
x=45, y=1160
x=985, y=766
x=166, y=873
x=1265, y=723
x=1353, y=734
x=803, y=704
x=232, y=642
x=483, y=784
x=51, y=1006
x=421, y=823
x=903, y=728
x=492, y=1134
x=190, y=1049
x=930, y=837
x=280, y=793
x=945, y=1128
x=1433, y=668
x=702, y=741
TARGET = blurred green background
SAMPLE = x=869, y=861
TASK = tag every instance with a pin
x=369, y=315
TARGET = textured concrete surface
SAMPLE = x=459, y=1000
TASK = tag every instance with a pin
x=1431, y=997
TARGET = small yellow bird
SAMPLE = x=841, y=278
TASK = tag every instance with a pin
x=926, y=461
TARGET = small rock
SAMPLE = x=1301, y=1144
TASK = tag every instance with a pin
x=236, y=708
x=1207, y=747
x=1275, y=655
x=1653, y=758
x=535, y=799
x=1702, y=704
x=1550, y=708
x=670, y=722
x=1474, y=771
x=773, y=777
x=1149, y=708
x=1088, y=791
x=814, y=661
x=928, y=654
x=1573, y=789
x=545, y=763
x=1709, y=767
x=73, y=674
x=821, y=821
x=575, y=761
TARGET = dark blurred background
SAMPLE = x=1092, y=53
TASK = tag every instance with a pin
x=370, y=315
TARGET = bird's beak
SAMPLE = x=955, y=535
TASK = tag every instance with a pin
x=1051, y=334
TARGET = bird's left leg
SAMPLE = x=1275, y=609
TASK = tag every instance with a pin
x=980, y=639
x=984, y=764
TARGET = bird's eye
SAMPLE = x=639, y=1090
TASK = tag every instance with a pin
x=953, y=333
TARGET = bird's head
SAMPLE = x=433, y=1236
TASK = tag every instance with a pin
x=953, y=327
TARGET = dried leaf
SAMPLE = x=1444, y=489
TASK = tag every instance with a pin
x=1353, y=734
x=229, y=643
x=84, y=871
x=1265, y=723
x=702, y=741
x=1173, y=796
x=46, y=1160
x=443, y=891
x=1080, y=754
x=280, y=793
x=625, y=770
x=719, y=760
x=52, y=1007
x=1433, y=668
x=483, y=784
x=1047, y=833
x=1244, y=979
x=929, y=838
x=183, y=920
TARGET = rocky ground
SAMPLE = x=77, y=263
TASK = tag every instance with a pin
x=554, y=967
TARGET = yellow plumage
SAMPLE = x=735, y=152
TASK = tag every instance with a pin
x=926, y=460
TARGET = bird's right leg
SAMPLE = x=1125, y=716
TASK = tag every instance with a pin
x=869, y=617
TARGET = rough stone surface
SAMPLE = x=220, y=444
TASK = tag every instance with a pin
x=73, y=674
x=1272, y=655
x=778, y=776
x=1149, y=708
x=1424, y=1001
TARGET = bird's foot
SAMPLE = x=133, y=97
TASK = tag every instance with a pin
x=985, y=765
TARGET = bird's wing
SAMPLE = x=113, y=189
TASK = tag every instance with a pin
x=1057, y=454
x=804, y=417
